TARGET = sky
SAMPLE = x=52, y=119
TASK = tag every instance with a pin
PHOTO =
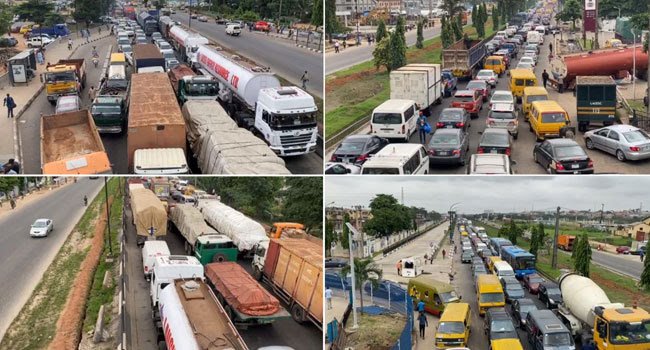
x=499, y=193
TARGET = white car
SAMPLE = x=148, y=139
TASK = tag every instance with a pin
x=527, y=59
x=525, y=65
x=501, y=96
x=68, y=103
x=335, y=168
x=530, y=53
x=488, y=76
x=41, y=227
x=233, y=29
x=36, y=41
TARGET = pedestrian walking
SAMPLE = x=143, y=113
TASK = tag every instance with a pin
x=426, y=258
x=11, y=104
x=423, y=128
x=423, y=324
x=91, y=93
x=336, y=47
x=369, y=40
x=328, y=298
x=99, y=30
x=399, y=268
x=431, y=259
x=421, y=306
x=12, y=202
x=444, y=253
x=550, y=48
x=455, y=249
x=544, y=78
x=304, y=79
x=69, y=44
x=345, y=43
x=87, y=35
x=39, y=57
x=641, y=255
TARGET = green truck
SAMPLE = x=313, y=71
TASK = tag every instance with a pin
x=201, y=240
x=190, y=86
x=596, y=101
x=110, y=107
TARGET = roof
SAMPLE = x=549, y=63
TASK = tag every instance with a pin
x=626, y=314
x=562, y=142
x=152, y=101
x=622, y=127
x=491, y=279
x=547, y=104
x=159, y=158
x=429, y=281
x=403, y=149
x=535, y=90
x=510, y=344
x=358, y=137
x=453, y=131
x=454, y=312
x=390, y=105
x=526, y=73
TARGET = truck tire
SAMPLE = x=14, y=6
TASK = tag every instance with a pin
x=219, y=258
x=162, y=345
x=297, y=313
x=221, y=299
x=257, y=273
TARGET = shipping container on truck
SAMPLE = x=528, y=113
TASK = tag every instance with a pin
x=70, y=144
x=595, y=101
x=565, y=242
x=245, y=301
x=464, y=57
x=155, y=120
x=149, y=215
x=166, y=23
x=293, y=267
x=419, y=82
x=147, y=55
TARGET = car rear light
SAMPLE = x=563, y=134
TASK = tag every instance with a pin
x=635, y=149
x=403, y=129
x=507, y=151
x=455, y=152
x=460, y=125
x=146, y=268
x=559, y=166
x=362, y=158
x=590, y=164
x=480, y=150
x=490, y=122
x=333, y=158
x=440, y=125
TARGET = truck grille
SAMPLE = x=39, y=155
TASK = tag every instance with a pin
x=299, y=140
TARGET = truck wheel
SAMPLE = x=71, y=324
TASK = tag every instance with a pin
x=297, y=313
x=257, y=273
x=219, y=258
x=220, y=299
x=162, y=345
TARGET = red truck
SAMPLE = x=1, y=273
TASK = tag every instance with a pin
x=262, y=26
x=470, y=100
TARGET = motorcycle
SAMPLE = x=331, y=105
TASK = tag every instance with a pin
x=95, y=61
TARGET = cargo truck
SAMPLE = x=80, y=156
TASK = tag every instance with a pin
x=155, y=120
x=165, y=23
x=464, y=57
x=66, y=77
x=148, y=22
x=70, y=144
x=168, y=268
x=293, y=267
x=588, y=312
x=149, y=215
x=192, y=319
x=244, y=231
x=595, y=101
x=565, y=242
x=147, y=56
x=188, y=85
x=419, y=82
x=245, y=301
x=221, y=147
x=56, y=30
x=110, y=107
x=186, y=43
x=284, y=117
x=200, y=240
x=161, y=187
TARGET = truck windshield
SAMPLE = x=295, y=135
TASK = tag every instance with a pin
x=630, y=333
x=104, y=109
x=280, y=121
x=201, y=89
x=61, y=76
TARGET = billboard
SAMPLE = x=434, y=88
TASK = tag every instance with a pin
x=590, y=5
x=589, y=15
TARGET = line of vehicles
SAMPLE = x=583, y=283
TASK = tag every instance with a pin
x=577, y=310
x=242, y=120
x=205, y=296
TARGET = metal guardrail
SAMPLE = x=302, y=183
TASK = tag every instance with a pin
x=400, y=243
x=121, y=309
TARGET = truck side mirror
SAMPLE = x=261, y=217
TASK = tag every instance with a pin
x=41, y=77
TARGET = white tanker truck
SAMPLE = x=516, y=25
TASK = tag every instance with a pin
x=186, y=43
x=285, y=117
x=588, y=312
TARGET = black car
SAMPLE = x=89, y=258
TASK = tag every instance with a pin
x=498, y=324
x=335, y=262
x=563, y=156
x=356, y=149
x=8, y=42
x=496, y=141
x=512, y=289
x=466, y=257
x=453, y=118
x=549, y=294
x=520, y=308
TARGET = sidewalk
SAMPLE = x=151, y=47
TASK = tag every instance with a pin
x=302, y=41
x=25, y=94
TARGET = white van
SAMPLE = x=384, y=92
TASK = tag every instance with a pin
x=540, y=29
x=503, y=269
x=533, y=37
x=233, y=29
x=411, y=267
x=394, y=119
x=150, y=251
x=398, y=159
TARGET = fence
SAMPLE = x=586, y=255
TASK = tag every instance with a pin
x=306, y=38
x=640, y=119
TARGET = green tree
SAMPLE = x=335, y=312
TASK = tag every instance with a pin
x=446, y=36
x=583, y=256
x=397, y=47
x=480, y=21
x=345, y=239
x=53, y=18
x=514, y=231
x=495, y=17
x=381, y=31
x=35, y=10
x=6, y=15
x=420, y=38
x=400, y=30
x=645, y=275
x=388, y=216
x=453, y=8
x=332, y=24
x=380, y=55
x=303, y=201
x=474, y=14
x=575, y=251
x=458, y=28
x=503, y=231
x=365, y=270
x=571, y=12
x=330, y=236
x=7, y=183
x=317, y=13
x=534, y=237
x=253, y=196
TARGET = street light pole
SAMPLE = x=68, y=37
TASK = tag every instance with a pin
x=189, y=23
x=634, y=63
x=355, y=323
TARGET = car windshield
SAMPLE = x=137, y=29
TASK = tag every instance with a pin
x=527, y=308
x=484, y=75
x=164, y=46
x=502, y=97
x=39, y=224
x=502, y=115
x=569, y=151
x=448, y=297
x=535, y=280
x=492, y=138
x=351, y=147
x=201, y=89
x=553, y=291
x=127, y=49
x=501, y=326
x=380, y=171
x=525, y=65
x=123, y=42
x=444, y=139
x=451, y=327
x=451, y=115
x=636, y=136
x=553, y=117
x=557, y=339
x=476, y=85
x=464, y=98
x=513, y=286
x=533, y=98
x=387, y=118
x=630, y=333
x=491, y=297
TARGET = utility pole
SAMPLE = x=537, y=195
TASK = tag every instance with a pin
x=189, y=23
x=355, y=323
x=602, y=208
x=557, y=231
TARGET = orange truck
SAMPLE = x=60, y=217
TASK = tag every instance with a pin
x=70, y=144
x=565, y=242
x=293, y=267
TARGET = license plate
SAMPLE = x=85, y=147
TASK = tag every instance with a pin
x=443, y=153
x=575, y=166
x=449, y=126
x=493, y=151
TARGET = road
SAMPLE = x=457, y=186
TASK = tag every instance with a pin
x=285, y=59
x=115, y=144
x=25, y=259
x=141, y=333
x=629, y=265
x=522, y=151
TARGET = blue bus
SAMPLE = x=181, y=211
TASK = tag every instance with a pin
x=496, y=243
x=521, y=260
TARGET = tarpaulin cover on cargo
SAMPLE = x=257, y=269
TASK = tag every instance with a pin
x=240, y=290
x=148, y=212
x=190, y=222
x=244, y=231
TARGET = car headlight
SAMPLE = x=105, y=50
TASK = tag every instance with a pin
x=523, y=321
x=551, y=301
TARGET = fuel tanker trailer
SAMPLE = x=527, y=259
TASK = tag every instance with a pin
x=612, y=326
x=608, y=62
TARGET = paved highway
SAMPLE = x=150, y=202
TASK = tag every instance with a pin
x=25, y=259
x=284, y=58
x=629, y=265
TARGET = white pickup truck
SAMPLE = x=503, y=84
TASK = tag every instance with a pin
x=37, y=41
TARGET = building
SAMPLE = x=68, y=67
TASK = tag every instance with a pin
x=347, y=10
x=358, y=216
x=639, y=231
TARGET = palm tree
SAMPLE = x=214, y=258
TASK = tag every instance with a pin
x=453, y=7
x=364, y=270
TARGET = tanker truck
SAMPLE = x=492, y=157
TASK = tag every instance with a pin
x=565, y=69
x=186, y=43
x=149, y=215
x=284, y=117
x=192, y=319
x=244, y=231
x=587, y=310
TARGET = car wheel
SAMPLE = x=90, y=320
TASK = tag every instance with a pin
x=535, y=157
x=589, y=143
x=620, y=155
x=515, y=136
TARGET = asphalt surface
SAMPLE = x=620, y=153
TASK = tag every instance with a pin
x=141, y=333
x=25, y=259
x=629, y=265
x=284, y=58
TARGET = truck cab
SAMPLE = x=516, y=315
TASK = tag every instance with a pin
x=214, y=248
x=66, y=77
x=259, y=257
x=197, y=88
x=168, y=268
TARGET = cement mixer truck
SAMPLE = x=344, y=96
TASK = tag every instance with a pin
x=285, y=117
x=186, y=43
x=589, y=313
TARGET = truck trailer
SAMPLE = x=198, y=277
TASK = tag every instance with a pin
x=595, y=101
x=186, y=43
x=148, y=22
x=110, y=108
x=419, y=82
x=149, y=215
x=147, y=56
x=245, y=301
x=284, y=117
x=70, y=144
x=464, y=57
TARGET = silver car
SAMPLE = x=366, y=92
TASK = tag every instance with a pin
x=41, y=227
x=626, y=142
x=68, y=103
